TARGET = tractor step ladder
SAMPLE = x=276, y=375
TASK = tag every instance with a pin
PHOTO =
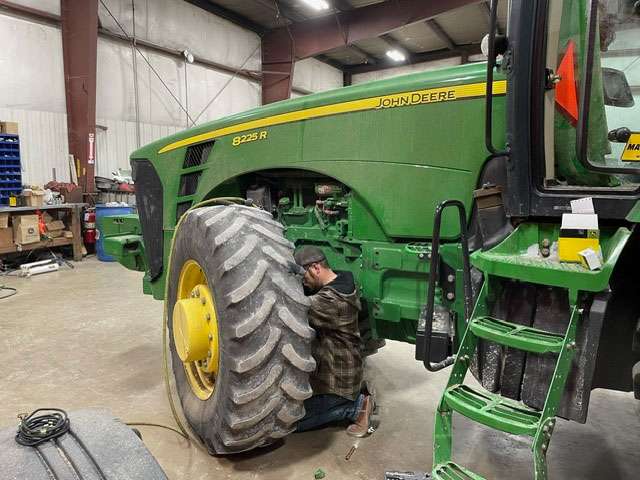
x=516, y=336
x=493, y=410
x=479, y=405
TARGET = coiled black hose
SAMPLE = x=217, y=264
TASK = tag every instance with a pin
x=36, y=429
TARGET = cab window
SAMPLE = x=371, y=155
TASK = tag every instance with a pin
x=592, y=101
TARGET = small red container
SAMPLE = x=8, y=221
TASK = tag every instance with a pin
x=89, y=230
x=89, y=237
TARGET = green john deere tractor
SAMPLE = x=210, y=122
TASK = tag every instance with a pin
x=442, y=192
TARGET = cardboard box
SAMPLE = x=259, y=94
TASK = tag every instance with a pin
x=4, y=220
x=6, y=237
x=18, y=220
x=25, y=229
x=55, y=225
x=55, y=228
x=577, y=233
x=9, y=127
x=34, y=199
x=71, y=196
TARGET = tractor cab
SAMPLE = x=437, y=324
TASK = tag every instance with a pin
x=574, y=106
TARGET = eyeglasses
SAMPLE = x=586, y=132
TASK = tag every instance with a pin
x=308, y=266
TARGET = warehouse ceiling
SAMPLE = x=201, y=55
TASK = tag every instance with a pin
x=447, y=35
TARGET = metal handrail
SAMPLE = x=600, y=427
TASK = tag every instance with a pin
x=491, y=65
x=433, y=275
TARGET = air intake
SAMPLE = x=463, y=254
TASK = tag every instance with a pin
x=189, y=183
x=197, y=154
x=181, y=208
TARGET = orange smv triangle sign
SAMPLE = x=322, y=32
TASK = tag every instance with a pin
x=566, y=91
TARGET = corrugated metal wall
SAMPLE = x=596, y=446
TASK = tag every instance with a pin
x=316, y=76
x=43, y=144
x=117, y=140
x=32, y=80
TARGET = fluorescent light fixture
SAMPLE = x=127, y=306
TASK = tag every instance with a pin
x=317, y=4
x=396, y=55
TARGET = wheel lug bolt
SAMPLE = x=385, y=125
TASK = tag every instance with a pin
x=210, y=337
x=208, y=317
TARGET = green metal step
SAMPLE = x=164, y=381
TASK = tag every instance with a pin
x=493, y=410
x=509, y=259
x=453, y=471
x=516, y=336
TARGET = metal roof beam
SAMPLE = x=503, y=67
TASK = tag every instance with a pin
x=330, y=61
x=392, y=42
x=282, y=46
x=30, y=13
x=441, y=34
x=229, y=15
x=396, y=45
x=366, y=56
x=285, y=11
x=463, y=51
x=321, y=34
x=342, y=5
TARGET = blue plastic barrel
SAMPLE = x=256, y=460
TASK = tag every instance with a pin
x=103, y=211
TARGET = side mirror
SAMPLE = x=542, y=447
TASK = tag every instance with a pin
x=617, y=92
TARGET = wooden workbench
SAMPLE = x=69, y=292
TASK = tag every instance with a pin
x=75, y=211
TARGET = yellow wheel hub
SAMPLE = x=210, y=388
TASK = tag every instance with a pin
x=195, y=330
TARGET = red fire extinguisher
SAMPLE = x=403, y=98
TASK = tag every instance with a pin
x=89, y=227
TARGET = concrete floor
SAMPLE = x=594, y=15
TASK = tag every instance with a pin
x=89, y=338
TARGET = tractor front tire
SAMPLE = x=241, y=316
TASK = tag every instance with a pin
x=244, y=264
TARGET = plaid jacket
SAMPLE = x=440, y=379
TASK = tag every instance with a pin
x=336, y=349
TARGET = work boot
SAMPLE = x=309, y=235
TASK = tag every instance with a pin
x=361, y=426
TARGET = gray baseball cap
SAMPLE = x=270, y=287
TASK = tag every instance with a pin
x=308, y=254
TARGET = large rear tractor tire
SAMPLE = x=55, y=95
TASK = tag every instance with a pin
x=239, y=336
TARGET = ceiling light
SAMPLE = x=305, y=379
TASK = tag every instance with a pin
x=396, y=55
x=188, y=56
x=317, y=4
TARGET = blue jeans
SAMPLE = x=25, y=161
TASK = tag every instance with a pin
x=324, y=409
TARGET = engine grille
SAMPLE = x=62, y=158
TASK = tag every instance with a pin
x=181, y=208
x=197, y=154
x=189, y=183
x=149, y=202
